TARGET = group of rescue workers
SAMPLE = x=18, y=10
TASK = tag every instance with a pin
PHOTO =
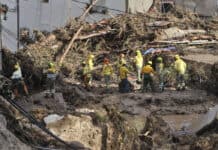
x=145, y=74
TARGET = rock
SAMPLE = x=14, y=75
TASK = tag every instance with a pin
x=72, y=128
x=52, y=118
x=85, y=110
x=7, y=140
x=58, y=102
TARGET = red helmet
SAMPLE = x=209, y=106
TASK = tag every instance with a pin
x=106, y=61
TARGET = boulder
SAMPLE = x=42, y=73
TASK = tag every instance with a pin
x=72, y=128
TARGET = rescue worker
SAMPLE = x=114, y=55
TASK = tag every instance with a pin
x=159, y=66
x=124, y=86
x=180, y=67
x=17, y=81
x=90, y=63
x=147, y=72
x=121, y=61
x=51, y=78
x=139, y=64
x=88, y=70
x=107, y=72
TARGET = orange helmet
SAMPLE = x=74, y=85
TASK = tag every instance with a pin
x=106, y=61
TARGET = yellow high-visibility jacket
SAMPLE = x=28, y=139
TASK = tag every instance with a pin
x=107, y=70
x=52, y=70
x=180, y=66
x=123, y=72
x=86, y=71
x=147, y=69
x=139, y=60
x=90, y=64
x=120, y=62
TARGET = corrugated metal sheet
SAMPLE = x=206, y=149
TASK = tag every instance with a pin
x=139, y=6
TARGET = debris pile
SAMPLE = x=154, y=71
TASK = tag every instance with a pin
x=124, y=33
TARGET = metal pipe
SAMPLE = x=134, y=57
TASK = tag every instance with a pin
x=18, y=24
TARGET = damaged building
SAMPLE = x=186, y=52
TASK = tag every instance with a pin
x=201, y=7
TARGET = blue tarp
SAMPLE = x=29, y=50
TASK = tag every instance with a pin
x=158, y=50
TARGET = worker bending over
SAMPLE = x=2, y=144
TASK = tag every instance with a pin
x=139, y=64
x=148, y=73
x=180, y=67
x=124, y=86
x=17, y=81
x=107, y=72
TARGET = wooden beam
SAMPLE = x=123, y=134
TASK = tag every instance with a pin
x=70, y=45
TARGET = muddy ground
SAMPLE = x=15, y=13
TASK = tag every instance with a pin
x=111, y=120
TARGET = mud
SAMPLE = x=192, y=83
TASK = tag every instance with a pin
x=127, y=121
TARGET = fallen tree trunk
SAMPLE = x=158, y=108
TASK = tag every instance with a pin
x=70, y=45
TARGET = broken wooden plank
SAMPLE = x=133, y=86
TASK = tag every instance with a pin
x=195, y=42
x=100, y=33
x=158, y=24
x=174, y=32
